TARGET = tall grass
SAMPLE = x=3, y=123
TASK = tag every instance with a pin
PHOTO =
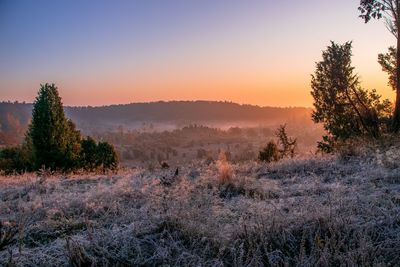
x=322, y=211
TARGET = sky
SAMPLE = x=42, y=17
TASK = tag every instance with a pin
x=101, y=52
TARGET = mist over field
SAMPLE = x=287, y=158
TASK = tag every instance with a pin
x=176, y=132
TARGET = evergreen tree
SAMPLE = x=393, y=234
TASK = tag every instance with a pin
x=56, y=143
x=345, y=109
x=53, y=142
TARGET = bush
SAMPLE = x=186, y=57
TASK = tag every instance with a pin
x=269, y=153
x=16, y=160
x=97, y=155
x=106, y=156
x=88, y=154
x=288, y=145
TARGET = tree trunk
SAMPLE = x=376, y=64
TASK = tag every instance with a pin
x=396, y=114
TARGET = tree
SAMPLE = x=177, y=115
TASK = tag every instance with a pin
x=53, y=142
x=390, y=11
x=345, y=109
x=56, y=142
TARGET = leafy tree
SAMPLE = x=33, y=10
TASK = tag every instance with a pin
x=390, y=11
x=388, y=64
x=269, y=153
x=56, y=142
x=345, y=109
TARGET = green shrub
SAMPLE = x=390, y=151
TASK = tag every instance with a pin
x=16, y=160
x=88, y=154
x=106, y=156
x=269, y=153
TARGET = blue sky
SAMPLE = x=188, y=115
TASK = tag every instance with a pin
x=253, y=51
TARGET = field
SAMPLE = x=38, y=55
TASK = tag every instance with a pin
x=315, y=211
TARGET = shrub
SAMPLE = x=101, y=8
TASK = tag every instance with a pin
x=88, y=154
x=288, y=145
x=269, y=153
x=16, y=159
x=106, y=156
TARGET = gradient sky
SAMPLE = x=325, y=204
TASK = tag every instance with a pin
x=249, y=51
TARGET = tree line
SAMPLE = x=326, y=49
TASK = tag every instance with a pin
x=52, y=142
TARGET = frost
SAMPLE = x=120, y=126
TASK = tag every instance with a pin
x=321, y=211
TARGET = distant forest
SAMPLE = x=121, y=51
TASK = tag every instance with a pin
x=14, y=116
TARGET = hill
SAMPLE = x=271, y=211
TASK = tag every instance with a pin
x=14, y=117
x=196, y=111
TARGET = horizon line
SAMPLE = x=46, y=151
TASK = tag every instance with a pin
x=161, y=101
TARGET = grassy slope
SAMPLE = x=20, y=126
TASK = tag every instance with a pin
x=320, y=211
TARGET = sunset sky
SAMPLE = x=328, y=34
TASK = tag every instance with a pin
x=249, y=51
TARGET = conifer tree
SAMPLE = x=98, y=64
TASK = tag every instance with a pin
x=56, y=142
x=344, y=108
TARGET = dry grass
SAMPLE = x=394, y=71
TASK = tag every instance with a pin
x=322, y=211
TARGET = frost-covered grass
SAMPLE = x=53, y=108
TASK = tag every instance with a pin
x=322, y=211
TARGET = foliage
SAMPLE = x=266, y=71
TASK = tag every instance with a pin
x=106, y=156
x=269, y=153
x=16, y=159
x=389, y=10
x=327, y=145
x=341, y=105
x=88, y=154
x=288, y=144
x=388, y=64
x=97, y=155
x=55, y=141
x=377, y=9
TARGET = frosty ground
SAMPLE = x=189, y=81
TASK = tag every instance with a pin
x=322, y=210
